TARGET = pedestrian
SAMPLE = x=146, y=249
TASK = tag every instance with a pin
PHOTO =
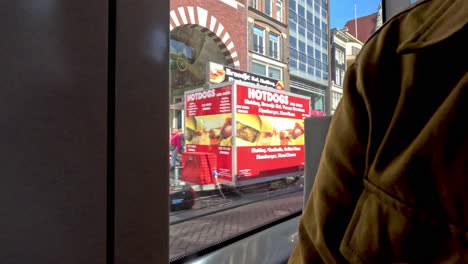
x=175, y=148
x=393, y=178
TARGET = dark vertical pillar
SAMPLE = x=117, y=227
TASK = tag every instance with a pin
x=316, y=129
x=141, y=132
x=53, y=94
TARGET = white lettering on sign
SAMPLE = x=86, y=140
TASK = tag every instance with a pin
x=268, y=96
x=201, y=95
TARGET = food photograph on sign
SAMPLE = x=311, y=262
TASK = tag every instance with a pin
x=251, y=130
x=217, y=73
x=209, y=130
x=255, y=130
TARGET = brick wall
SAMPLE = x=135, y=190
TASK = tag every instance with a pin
x=233, y=21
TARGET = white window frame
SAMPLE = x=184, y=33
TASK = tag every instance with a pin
x=339, y=56
x=255, y=40
x=271, y=7
x=270, y=46
x=336, y=97
x=338, y=76
x=267, y=67
x=254, y=4
x=276, y=68
x=279, y=10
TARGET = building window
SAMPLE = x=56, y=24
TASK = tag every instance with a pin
x=342, y=76
x=274, y=46
x=274, y=73
x=302, y=46
x=268, y=7
x=301, y=11
x=259, y=69
x=258, y=39
x=267, y=70
x=355, y=51
x=292, y=5
x=254, y=3
x=292, y=42
x=317, y=102
x=339, y=57
x=338, y=77
x=279, y=10
x=336, y=97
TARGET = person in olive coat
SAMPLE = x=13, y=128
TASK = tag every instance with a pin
x=392, y=184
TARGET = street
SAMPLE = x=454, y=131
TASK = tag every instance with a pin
x=195, y=229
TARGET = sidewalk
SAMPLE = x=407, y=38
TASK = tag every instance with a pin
x=201, y=232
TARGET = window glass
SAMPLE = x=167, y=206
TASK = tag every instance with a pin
x=302, y=46
x=293, y=53
x=258, y=39
x=301, y=11
x=292, y=17
x=317, y=31
x=292, y=5
x=324, y=44
x=302, y=57
x=293, y=63
x=274, y=45
x=318, y=73
x=292, y=42
x=302, y=66
x=302, y=31
x=254, y=3
x=302, y=21
x=279, y=10
x=258, y=68
x=305, y=33
x=317, y=21
x=268, y=7
x=310, y=50
x=274, y=73
x=292, y=28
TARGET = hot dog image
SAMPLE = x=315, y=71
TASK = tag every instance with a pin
x=195, y=133
x=248, y=129
x=293, y=135
x=269, y=135
x=226, y=133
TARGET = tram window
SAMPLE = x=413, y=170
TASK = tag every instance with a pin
x=209, y=203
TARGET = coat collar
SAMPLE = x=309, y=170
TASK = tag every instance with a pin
x=441, y=20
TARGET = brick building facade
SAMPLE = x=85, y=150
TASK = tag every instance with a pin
x=225, y=21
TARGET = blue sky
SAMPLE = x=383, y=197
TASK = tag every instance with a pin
x=343, y=10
